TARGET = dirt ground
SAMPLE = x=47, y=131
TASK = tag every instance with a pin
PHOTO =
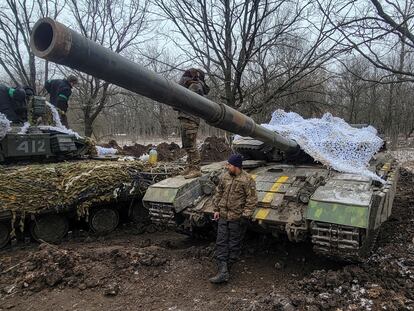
x=161, y=271
x=211, y=150
x=214, y=149
x=168, y=271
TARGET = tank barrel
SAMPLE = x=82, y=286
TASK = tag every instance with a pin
x=55, y=42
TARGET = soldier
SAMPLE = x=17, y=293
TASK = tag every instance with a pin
x=234, y=203
x=193, y=79
x=13, y=102
x=60, y=91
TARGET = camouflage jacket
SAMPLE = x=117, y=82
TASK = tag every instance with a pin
x=235, y=196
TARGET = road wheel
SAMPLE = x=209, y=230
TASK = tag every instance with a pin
x=103, y=220
x=49, y=228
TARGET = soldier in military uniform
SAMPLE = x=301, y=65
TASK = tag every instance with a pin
x=13, y=102
x=60, y=91
x=234, y=203
x=193, y=79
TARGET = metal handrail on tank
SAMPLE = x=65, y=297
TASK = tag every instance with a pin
x=55, y=42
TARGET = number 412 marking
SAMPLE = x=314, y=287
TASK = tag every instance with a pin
x=33, y=146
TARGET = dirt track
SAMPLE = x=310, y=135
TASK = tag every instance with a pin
x=168, y=271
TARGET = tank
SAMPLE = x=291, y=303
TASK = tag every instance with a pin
x=50, y=178
x=44, y=201
x=38, y=141
x=340, y=214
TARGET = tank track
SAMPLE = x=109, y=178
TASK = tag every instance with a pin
x=343, y=243
x=162, y=214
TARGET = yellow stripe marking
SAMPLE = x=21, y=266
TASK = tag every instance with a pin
x=262, y=213
x=271, y=193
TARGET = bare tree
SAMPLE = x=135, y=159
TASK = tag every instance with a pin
x=375, y=31
x=162, y=62
x=117, y=25
x=351, y=87
x=16, y=19
x=234, y=40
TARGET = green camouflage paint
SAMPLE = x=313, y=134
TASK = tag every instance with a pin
x=349, y=215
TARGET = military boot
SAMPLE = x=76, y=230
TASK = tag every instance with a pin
x=222, y=274
x=193, y=172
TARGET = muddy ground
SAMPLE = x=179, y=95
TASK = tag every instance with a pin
x=212, y=149
x=168, y=271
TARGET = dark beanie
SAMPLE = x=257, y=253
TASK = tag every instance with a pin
x=236, y=160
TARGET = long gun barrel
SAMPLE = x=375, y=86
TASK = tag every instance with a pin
x=55, y=42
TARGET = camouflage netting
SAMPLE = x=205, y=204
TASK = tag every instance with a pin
x=330, y=140
x=32, y=188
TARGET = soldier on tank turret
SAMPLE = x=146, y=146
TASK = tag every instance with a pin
x=234, y=203
x=193, y=79
x=13, y=102
x=60, y=91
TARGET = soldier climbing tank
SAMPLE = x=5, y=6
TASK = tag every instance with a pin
x=340, y=213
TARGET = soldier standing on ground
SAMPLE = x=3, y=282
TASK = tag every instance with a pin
x=193, y=79
x=234, y=203
x=60, y=91
x=13, y=102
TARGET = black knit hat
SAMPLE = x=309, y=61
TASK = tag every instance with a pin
x=236, y=160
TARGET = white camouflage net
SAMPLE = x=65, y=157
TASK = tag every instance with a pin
x=24, y=128
x=55, y=115
x=330, y=140
x=4, y=125
x=102, y=151
x=59, y=127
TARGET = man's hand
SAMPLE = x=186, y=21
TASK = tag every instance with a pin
x=216, y=216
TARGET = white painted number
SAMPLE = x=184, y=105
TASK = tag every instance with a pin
x=41, y=146
x=23, y=146
x=35, y=146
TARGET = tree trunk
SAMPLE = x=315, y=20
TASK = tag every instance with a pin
x=32, y=66
x=46, y=70
x=88, y=127
x=163, y=122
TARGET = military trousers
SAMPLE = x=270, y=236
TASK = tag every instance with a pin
x=189, y=131
x=230, y=234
